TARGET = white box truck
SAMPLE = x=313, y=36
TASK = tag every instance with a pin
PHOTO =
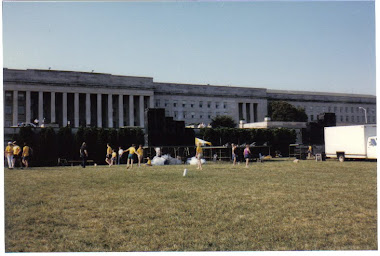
x=351, y=142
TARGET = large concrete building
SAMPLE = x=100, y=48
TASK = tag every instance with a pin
x=105, y=100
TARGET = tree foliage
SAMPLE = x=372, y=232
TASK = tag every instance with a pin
x=283, y=111
x=223, y=121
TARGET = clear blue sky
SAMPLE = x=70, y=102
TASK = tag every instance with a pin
x=311, y=46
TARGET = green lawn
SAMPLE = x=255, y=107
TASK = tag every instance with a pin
x=276, y=205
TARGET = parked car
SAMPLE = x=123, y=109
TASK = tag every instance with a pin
x=26, y=124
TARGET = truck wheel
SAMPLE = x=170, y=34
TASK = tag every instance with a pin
x=341, y=158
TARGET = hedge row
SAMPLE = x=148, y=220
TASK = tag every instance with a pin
x=48, y=145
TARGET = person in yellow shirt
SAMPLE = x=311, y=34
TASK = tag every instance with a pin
x=198, y=155
x=9, y=155
x=109, y=154
x=132, y=150
x=148, y=162
x=16, y=154
x=140, y=154
x=113, y=158
x=25, y=155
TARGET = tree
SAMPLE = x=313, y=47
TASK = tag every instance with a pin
x=223, y=121
x=283, y=111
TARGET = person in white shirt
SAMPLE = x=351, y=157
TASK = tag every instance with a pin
x=120, y=152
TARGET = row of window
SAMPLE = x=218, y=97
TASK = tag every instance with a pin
x=192, y=115
x=359, y=119
x=336, y=109
x=185, y=104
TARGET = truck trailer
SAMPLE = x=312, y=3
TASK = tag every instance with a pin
x=351, y=142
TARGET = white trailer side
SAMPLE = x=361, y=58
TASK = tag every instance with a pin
x=351, y=141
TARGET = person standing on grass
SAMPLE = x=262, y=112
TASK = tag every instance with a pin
x=109, y=154
x=16, y=155
x=234, y=156
x=83, y=154
x=247, y=153
x=113, y=157
x=198, y=155
x=9, y=155
x=120, y=153
x=132, y=150
x=25, y=155
x=140, y=154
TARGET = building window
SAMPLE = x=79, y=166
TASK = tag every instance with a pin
x=374, y=119
x=341, y=118
x=192, y=115
x=347, y=118
x=352, y=109
x=21, y=96
x=191, y=105
x=335, y=109
x=166, y=103
x=8, y=110
x=209, y=116
x=341, y=109
x=21, y=110
x=209, y=104
x=157, y=103
x=184, y=104
x=184, y=114
x=175, y=104
x=346, y=108
x=352, y=119
x=175, y=114
x=8, y=96
x=167, y=113
x=311, y=118
x=358, y=119
x=216, y=104
x=225, y=105
x=329, y=109
x=201, y=104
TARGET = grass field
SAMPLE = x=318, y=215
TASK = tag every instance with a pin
x=276, y=205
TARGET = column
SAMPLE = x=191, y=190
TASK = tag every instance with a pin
x=131, y=116
x=244, y=111
x=52, y=107
x=251, y=112
x=40, y=107
x=151, y=101
x=99, y=109
x=110, y=112
x=121, y=113
x=27, y=106
x=64, y=109
x=141, y=108
x=76, y=109
x=88, y=109
x=15, y=108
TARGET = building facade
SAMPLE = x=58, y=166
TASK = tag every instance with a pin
x=105, y=100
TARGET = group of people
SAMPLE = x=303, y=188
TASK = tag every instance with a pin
x=17, y=156
x=246, y=154
x=111, y=155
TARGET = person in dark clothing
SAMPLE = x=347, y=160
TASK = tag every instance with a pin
x=83, y=154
